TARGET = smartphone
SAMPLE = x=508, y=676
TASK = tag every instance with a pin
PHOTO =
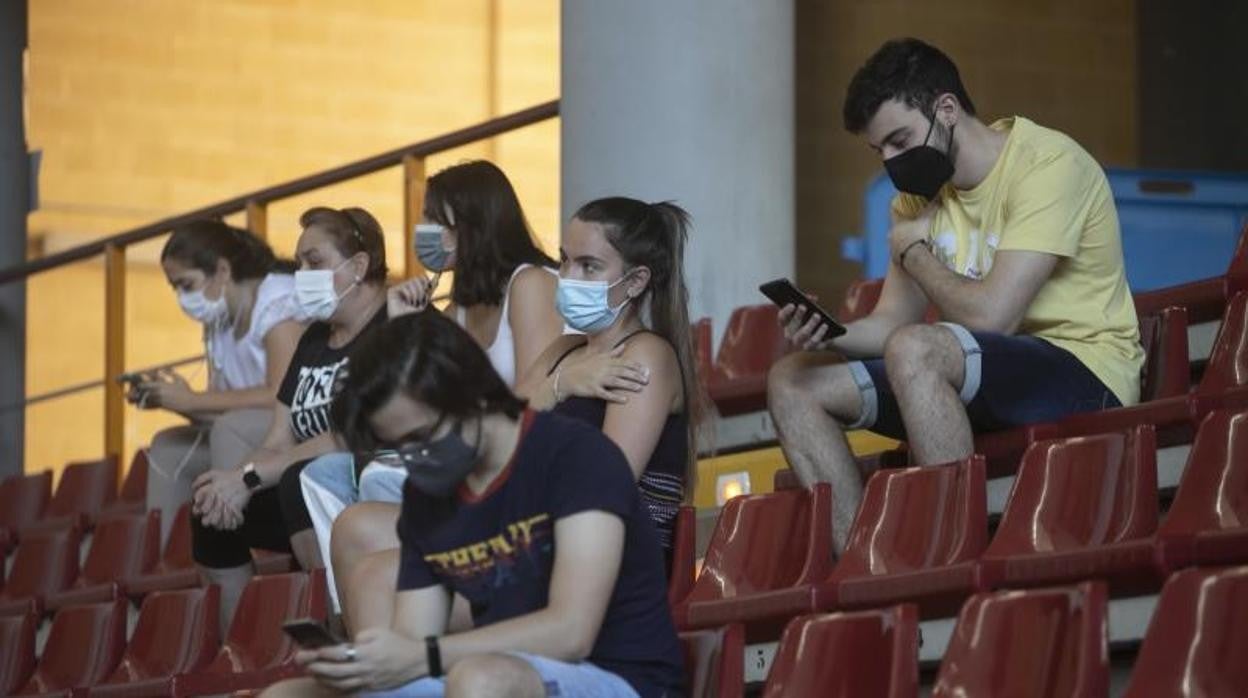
x=310, y=634
x=782, y=292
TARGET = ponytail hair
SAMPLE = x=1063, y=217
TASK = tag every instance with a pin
x=202, y=244
x=654, y=236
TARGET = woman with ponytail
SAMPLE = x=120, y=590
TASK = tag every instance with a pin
x=230, y=282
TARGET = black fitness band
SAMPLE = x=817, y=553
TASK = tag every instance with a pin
x=901, y=259
x=433, y=656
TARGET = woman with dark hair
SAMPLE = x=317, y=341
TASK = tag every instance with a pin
x=502, y=293
x=340, y=289
x=229, y=281
x=531, y=516
x=631, y=374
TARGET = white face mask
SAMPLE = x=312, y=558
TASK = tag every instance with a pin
x=584, y=305
x=315, y=295
x=199, y=308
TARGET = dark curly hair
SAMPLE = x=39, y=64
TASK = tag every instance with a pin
x=909, y=70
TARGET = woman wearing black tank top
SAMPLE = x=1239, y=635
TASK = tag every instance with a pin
x=621, y=264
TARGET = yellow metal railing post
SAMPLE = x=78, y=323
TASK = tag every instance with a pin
x=258, y=219
x=114, y=350
x=413, y=209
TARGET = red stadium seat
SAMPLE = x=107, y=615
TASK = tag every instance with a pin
x=176, y=568
x=860, y=300
x=84, y=646
x=1208, y=522
x=764, y=557
x=45, y=562
x=1196, y=641
x=1040, y=643
x=1167, y=369
x=1237, y=272
x=121, y=547
x=714, y=662
x=132, y=499
x=17, y=650
x=846, y=655
x=751, y=343
x=890, y=559
x=1080, y=508
x=257, y=652
x=176, y=634
x=684, y=555
x=83, y=492
x=23, y=499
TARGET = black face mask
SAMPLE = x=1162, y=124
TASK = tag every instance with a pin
x=438, y=467
x=922, y=170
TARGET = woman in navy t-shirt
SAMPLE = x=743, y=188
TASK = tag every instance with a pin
x=530, y=516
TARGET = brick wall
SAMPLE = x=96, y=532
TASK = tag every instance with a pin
x=1065, y=64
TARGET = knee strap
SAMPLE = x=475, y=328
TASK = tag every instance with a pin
x=870, y=399
x=972, y=356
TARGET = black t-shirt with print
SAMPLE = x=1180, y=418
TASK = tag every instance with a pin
x=308, y=386
x=498, y=549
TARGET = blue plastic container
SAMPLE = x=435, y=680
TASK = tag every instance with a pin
x=1176, y=226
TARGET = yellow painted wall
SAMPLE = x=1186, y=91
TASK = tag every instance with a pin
x=147, y=108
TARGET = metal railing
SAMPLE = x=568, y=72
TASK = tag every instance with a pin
x=255, y=206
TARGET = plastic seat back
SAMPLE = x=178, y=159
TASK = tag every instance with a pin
x=84, y=489
x=948, y=499
x=1213, y=494
x=177, y=552
x=84, y=645
x=1237, y=272
x=45, y=562
x=860, y=299
x=760, y=543
x=134, y=487
x=1041, y=643
x=23, y=499
x=176, y=633
x=684, y=554
x=1196, y=641
x=121, y=547
x=752, y=342
x=844, y=655
x=1081, y=492
x=1167, y=371
x=714, y=662
x=1228, y=362
x=255, y=639
x=17, y=650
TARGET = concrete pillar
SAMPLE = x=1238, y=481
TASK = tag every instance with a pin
x=690, y=100
x=14, y=203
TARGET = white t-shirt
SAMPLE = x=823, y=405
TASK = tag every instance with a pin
x=238, y=364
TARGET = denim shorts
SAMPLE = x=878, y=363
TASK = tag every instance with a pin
x=1010, y=380
x=565, y=679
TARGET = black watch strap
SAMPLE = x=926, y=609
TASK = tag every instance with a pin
x=251, y=478
x=433, y=656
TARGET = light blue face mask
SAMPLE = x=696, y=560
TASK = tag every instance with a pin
x=429, y=249
x=584, y=304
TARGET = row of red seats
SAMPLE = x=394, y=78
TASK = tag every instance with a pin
x=1025, y=644
x=175, y=649
x=86, y=493
x=1080, y=508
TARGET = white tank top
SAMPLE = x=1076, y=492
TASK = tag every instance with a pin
x=502, y=352
x=238, y=364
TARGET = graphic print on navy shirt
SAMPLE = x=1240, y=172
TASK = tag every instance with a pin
x=308, y=386
x=497, y=549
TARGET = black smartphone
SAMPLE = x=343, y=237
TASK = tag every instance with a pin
x=310, y=634
x=782, y=292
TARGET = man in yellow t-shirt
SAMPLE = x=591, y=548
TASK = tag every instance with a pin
x=1010, y=231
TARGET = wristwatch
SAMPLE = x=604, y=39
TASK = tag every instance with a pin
x=250, y=477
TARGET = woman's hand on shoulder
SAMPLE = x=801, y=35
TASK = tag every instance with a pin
x=411, y=296
x=606, y=376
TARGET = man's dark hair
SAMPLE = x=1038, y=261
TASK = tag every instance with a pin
x=430, y=358
x=909, y=70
